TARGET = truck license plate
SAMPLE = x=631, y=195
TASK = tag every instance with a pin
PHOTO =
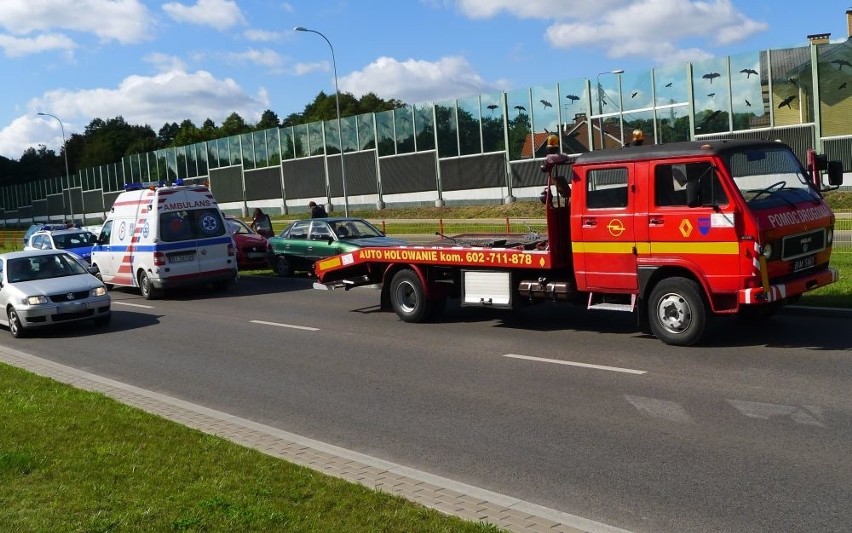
x=804, y=263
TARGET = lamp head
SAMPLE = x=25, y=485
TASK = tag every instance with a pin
x=300, y=28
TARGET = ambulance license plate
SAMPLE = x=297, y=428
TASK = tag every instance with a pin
x=804, y=263
x=181, y=258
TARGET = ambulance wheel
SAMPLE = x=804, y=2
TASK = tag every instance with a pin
x=282, y=267
x=408, y=298
x=677, y=312
x=101, y=279
x=15, y=327
x=147, y=288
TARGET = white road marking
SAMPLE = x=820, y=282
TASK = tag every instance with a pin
x=573, y=363
x=115, y=302
x=265, y=323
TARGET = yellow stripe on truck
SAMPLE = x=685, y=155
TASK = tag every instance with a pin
x=644, y=248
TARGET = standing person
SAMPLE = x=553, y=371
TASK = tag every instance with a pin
x=261, y=223
x=317, y=211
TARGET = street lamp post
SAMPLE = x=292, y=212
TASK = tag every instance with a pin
x=600, y=100
x=67, y=174
x=339, y=128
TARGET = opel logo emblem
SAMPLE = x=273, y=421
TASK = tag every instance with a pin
x=69, y=296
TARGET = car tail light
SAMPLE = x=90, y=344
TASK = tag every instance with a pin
x=231, y=251
x=159, y=259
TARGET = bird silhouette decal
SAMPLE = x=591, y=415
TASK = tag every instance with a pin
x=669, y=84
x=545, y=103
x=842, y=86
x=793, y=81
x=710, y=76
x=572, y=97
x=711, y=95
x=748, y=72
x=492, y=107
x=633, y=94
x=841, y=63
x=787, y=101
x=747, y=102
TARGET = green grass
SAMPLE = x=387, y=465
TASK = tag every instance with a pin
x=72, y=460
x=837, y=294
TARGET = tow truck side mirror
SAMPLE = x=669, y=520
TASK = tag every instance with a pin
x=835, y=173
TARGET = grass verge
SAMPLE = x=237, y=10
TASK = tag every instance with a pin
x=72, y=460
x=837, y=294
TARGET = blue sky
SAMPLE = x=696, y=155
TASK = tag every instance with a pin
x=156, y=62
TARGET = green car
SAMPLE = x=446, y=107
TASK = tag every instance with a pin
x=304, y=242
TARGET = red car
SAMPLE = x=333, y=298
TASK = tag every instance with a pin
x=250, y=245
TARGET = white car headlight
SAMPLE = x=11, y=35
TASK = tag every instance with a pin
x=35, y=300
x=99, y=291
x=830, y=235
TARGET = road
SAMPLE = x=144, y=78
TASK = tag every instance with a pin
x=565, y=408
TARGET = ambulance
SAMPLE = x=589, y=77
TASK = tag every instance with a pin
x=161, y=237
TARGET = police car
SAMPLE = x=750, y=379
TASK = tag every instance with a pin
x=76, y=241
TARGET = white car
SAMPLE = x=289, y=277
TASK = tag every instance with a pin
x=40, y=288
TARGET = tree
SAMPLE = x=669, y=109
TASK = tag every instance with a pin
x=233, y=125
x=268, y=120
x=167, y=133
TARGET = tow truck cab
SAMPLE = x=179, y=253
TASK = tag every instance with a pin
x=742, y=219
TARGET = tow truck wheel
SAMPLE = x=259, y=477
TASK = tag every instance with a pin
x=409, y=299
x=677, y=312
x=146, y=287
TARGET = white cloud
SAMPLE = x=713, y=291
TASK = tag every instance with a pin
x=165, y=62
x=266, y=58
x=22, y=133
x=646, y=28
x=417, y=80
x=307, y=68
x=218, y=14
x=23, y=46
x=154, y=100
x=125, y=21
x=261, y=35
x=539, y=9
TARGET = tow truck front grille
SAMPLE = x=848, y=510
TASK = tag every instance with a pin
x=803, y=244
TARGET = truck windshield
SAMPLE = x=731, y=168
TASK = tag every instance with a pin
x=768, y=176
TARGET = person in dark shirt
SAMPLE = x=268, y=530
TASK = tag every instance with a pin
x=317, y=211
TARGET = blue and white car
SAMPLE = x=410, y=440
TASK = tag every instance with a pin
x=76, y=241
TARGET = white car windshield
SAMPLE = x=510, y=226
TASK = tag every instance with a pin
x=43, y=267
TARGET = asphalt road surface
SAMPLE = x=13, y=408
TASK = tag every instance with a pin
x=571, y=409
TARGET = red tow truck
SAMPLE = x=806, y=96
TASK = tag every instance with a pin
x=675, y=233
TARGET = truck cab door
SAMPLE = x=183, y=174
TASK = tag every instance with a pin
x=605, y=249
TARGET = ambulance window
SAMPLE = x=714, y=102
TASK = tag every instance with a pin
x=175, y=226
x=106, y=231
x=606, y=188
